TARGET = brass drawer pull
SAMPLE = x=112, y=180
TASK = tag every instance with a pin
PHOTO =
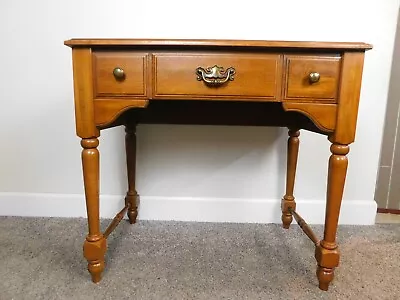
x=119, y=73
x=314, y=77
x=215, y=75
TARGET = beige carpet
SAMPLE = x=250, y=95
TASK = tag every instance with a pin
x=41, y=258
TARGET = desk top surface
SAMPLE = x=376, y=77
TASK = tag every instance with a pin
x=218, y=43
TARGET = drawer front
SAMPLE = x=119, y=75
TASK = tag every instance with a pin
x=128, y=79
x=311, y=78
x=229, y=76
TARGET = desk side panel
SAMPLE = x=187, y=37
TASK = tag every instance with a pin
x=83, y=93
x=349, y=95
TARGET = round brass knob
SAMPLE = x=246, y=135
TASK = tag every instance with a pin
x=119, y=73
x=314, y=77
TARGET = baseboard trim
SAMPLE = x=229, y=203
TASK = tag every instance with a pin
x=183, y=208
x=389, y=211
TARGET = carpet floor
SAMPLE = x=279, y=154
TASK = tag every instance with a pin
x=41, y=258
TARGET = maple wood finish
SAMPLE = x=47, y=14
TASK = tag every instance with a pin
x=304, y=226
x=132, y=84
x=258, y=76
x=301, y=85
x=132, y=195
x=288, y=202
x=95, y=245
x=298, y=86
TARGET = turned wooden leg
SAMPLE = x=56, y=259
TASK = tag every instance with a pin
x=288, y=200
x=327, y=252
x=131, y=196
x=95, y=245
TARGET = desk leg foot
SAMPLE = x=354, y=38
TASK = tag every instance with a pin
x=131, y=200
x=325, y=276
x=95, y=245
x=327, y=252
x=132, y=196
x=327, y=260
x=94, y=251
x=288, y=200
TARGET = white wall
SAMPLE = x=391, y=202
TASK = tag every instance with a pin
x=184, y=172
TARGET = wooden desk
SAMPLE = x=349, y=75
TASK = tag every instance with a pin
x=299, y=85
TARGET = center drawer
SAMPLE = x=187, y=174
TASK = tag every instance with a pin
x=224, y=76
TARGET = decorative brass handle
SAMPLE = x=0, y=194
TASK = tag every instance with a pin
x=314, y=77
x=119, y=73
x=215, y=75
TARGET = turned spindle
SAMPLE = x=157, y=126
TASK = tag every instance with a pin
x=288, y=201
x=305, y=227
x=327, y=252
x=95, y=245
x=132, y=196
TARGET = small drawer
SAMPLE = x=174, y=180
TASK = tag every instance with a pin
x=311, y=78
x=236, y=76
x=119, y=74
